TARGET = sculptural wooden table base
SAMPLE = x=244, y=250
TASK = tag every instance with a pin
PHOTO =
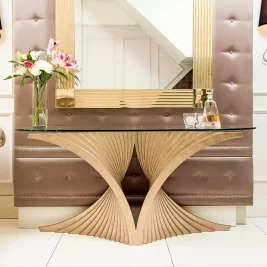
x=159, y=153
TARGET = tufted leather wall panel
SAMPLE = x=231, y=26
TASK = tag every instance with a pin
x=220, y=175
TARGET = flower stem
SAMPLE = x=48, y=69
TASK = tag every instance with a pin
x=37, y=102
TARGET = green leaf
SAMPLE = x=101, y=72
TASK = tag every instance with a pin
x=62, y=74
x=29, y=57
x=11, y=77
x=22, y=82
x=19, y=55
x=60, y=79
x=8, y=78
x=74, y=76
x=15, y=62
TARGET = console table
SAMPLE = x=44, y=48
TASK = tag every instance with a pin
x=160, y=152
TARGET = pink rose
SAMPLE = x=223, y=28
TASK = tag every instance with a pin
x=28, y=64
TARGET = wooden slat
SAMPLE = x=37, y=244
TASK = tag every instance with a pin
x=133, y=98
x=65, y=33
x=202, y=44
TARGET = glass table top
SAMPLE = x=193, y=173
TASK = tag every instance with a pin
x=134, y=128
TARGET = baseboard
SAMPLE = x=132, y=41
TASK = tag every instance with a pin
x=33, y=217
x=221, y=215
x=241, y=215
x=7, y=209
x=259, y=208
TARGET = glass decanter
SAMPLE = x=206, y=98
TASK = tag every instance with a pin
x=211, y=114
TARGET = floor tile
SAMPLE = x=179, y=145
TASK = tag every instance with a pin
x=243, y=246
x=261, y=223
x=80, y=251
x=28, y=248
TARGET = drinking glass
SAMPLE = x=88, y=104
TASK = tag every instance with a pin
x=199, y=120
x=190, y=120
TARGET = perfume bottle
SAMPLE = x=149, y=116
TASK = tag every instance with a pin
x=211, y=114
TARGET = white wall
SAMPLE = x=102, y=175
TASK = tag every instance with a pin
x=260, y=120
x=173, y=18
x=168, y=22
x=6, y=99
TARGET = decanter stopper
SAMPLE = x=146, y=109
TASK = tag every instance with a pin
x=211, y=114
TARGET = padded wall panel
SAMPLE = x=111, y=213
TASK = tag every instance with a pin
x=57, y=152
x=232, y=64
x=199, y=180
x=233, y=61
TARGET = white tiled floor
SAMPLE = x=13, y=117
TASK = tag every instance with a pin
x=242, y=246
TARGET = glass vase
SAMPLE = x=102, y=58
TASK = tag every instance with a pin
x=39, y=108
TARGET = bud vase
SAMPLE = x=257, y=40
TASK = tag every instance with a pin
x=39, y=109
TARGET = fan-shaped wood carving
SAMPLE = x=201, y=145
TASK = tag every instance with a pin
x=159, y=153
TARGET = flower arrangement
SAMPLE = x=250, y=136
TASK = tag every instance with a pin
x=39, y=67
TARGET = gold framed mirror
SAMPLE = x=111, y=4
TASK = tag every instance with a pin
x=99, y=93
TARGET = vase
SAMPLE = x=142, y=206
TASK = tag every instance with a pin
x=39, y=108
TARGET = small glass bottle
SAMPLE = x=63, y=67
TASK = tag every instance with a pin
x=211, y=114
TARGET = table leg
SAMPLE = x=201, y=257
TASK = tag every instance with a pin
x=110, y=154
x=160, y=153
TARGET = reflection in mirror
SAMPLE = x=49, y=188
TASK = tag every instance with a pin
x=116, y=52
x=123, y=46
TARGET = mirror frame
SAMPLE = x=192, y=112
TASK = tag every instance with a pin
x=69, y=97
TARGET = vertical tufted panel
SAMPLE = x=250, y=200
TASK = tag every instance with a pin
x=233, y=63
x=220, y=175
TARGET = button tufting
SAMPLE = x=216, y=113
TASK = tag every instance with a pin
x=231, y=52
x=35, y=19
x=199, y=176
x=134, y=114
x=231, y=114
x=133, y=176
x=101, y=114
x=232, y=20
x=69, y=176
x=68, y=113
x=232, y=83
x=167, y=114
x=37, y=177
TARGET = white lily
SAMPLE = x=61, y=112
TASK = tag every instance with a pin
x=20, y=71
x=35, y=71
x=45, y=66
x=35, y=54
x=21, y=57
